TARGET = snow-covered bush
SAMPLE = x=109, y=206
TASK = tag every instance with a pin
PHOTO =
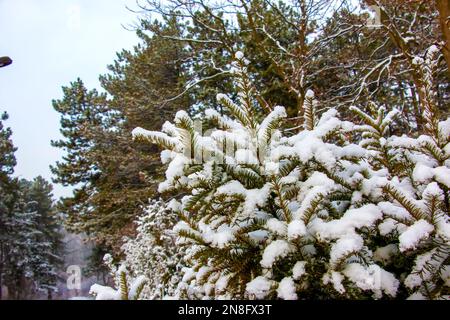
x=152, y=255
x=338, y=210
x=128, y=288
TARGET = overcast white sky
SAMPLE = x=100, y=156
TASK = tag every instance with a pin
x=52, y=42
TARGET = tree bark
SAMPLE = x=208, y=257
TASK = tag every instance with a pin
x=1, y=287
x=443, y=7
x=1, y=271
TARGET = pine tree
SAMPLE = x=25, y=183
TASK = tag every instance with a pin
x=154, y=253
x=8, y=190
x=29, y=236
x=33, y=242
x=86, y=125
x=113, y=176
x=45, y=234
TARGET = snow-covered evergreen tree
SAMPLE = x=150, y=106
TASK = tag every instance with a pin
x=339, y=210
x=154, y=253
x=42, y=234
x=29, y=240
x=8, y=189
x=33, y=249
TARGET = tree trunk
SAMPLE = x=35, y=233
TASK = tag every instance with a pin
x=1, y=271
x=1, y=286
x=443, y=7
x=300, y=111
x=416, y=108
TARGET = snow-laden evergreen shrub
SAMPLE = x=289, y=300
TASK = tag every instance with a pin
x=152, y=258
x=338, y=210
x=154, y=253
x=128, y=287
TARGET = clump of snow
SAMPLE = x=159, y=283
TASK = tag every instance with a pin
x=417, y=61
x=396, y=212
x=364, y=216
x=255, y=198
x=286, y=289
x=422, y=172
x=387, y=282
x=202, y=273
x=181, y=114
x=411, y=237
x=259, y=287
x=221, y=96
x=276, y=226
x=174, y=205
x=221, y=237
x=188, y=275
x=296, y=229
x=259, y=235
x=359, y=275
x=416, y=296
x=271, y=167
x=136, y=284
x=432, y=50
x=444, y=128
x=275, y=250
x=309, y=94
x=166, y=156
x=387, y=226
x=335, y=278
x=222, y=283
x=345, y=246
x=372, y=278
x=298, y=270
x=232, y=188
x=104, y=293
x=433, y=190
x=312, y=195
x=443, y=227
x=442, y=175
x=239, y=55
